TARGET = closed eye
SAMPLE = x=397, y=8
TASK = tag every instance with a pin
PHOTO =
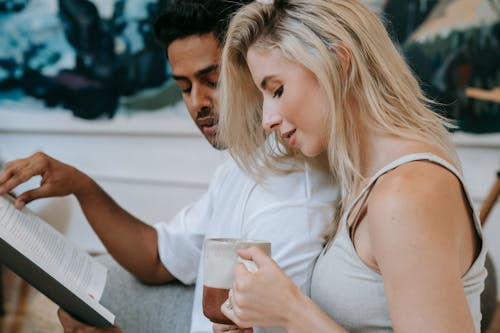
x=184, y=85
x=278, y=92
x=211, y=84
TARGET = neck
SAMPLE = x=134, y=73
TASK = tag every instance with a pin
x=373, y=147
x=378, y=148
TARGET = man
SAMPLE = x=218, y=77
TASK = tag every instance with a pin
x=291, y=211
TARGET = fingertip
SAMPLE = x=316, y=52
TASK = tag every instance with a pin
x=224, y=308
x=67, y=321
x=245, y=253
x=61, y=314
x=254, y=253
x=242, y=250
x=19, y=204
x=240, y=269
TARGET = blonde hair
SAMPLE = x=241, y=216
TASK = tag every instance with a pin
x=317, y=34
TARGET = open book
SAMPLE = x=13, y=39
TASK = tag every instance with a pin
x=48, y=261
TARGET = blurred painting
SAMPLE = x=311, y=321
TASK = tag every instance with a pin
x=453, y=45
x=94, y=56
x=81, y=55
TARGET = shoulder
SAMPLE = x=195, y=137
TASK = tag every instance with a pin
x=415, y=203
x=414, y=185
x=229, y=170
x=295, y=195
x=229, y=165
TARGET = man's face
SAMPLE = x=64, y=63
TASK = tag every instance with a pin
x=194, y=61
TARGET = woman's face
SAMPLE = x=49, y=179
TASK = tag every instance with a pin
x=294, y=104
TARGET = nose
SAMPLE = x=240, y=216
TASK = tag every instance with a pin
x=271, y=119
x=200, y=98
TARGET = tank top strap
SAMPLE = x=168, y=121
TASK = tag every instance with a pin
x=411, y=158
x=416, y=157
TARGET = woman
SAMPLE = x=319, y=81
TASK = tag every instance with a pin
x=407, y=256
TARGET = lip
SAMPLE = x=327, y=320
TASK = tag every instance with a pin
x=292, y=140
x=207, y=121
x=207, y=125
x=209, y=130
x=290, y=137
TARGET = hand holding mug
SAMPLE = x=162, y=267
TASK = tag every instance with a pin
x=220, y=259
x=261, y=298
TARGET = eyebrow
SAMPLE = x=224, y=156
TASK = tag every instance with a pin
x=207, y=70
x=199, y=73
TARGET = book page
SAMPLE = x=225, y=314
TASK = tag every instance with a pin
x=51, y=251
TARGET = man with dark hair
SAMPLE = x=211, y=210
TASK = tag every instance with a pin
x=195, y=18
x=192, y=32
x=291, y=211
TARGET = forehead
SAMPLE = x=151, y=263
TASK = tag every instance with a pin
x=257, y=54
x=266, y=62
x=193, y=53
x=268, y=66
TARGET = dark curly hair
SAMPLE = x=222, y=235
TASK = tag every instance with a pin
x=182, y=18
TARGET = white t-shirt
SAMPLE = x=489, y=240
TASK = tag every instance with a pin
x=290, y=211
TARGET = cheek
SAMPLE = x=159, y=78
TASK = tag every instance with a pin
x=215, y=100
x=295, y=108
x=193, y=116
x=191, y=112
x=323, y=112
x=318, y=123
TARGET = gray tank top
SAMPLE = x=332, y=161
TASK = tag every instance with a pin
x=353, y=294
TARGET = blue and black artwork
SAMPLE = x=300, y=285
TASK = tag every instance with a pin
x=69, y=54
x=447, y=64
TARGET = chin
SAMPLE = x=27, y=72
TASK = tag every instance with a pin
x=312, y=151
x=216, y=144
x=310, y=154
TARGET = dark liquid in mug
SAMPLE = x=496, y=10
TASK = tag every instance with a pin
x=212, y=301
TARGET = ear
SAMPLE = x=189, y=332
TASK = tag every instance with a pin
x=341, y=51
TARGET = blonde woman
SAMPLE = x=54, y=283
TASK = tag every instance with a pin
x=407, y=256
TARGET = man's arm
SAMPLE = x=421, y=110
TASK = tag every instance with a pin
x=130, y=241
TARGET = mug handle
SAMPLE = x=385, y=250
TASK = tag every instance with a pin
x=249, y=264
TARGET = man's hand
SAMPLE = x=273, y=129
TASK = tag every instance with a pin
x=71, y=325
x=58, y=179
